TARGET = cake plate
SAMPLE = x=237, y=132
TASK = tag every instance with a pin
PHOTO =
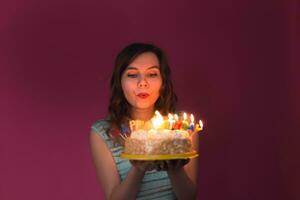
x=188, y=155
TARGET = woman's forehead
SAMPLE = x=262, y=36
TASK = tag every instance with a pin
x=145, y=59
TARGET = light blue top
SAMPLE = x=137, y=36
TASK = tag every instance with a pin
x=155, y=184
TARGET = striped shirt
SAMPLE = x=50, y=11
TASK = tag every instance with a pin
x=155, y=185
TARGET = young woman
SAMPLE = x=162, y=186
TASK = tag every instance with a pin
x=140, y=84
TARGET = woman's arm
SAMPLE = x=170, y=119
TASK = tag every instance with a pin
x=107, y=172
x=184, y=177
x=182, y=184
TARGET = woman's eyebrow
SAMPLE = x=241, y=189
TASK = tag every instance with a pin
x=135, y=68
x=129, y=67
x=153, y=67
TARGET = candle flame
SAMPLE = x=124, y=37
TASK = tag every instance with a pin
x=201, y=124
x=171, y=120
x=192, y=118
x=157, y=120
x=176, y=117
x=184, y=116
x=158, y=113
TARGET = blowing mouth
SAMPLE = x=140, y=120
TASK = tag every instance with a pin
x=143, y=95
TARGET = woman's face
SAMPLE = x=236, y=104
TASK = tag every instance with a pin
x=141, y=81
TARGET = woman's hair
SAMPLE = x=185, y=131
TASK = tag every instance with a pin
x=119, y=108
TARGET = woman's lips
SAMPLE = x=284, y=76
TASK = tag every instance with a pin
x=143, y=95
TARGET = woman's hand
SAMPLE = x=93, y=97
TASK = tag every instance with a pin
x=171, y=165
x=159, y=165
x=143, y=165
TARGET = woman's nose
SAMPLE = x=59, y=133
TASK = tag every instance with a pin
x=143, y=82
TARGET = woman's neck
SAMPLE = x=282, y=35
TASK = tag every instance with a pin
x=142, y=114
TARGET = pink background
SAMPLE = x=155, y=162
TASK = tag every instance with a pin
x=235, y=64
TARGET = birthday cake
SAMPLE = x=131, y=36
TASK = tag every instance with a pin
x=156, y=142
x=160, y=136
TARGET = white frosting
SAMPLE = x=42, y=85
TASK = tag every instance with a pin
x=159, y=134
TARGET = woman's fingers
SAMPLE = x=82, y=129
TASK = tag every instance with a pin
x=159, y=165
x=143, y=165
x=176, y=164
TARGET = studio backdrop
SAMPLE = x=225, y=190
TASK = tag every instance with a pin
x=235, y=64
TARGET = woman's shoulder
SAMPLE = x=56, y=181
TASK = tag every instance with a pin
x=101, y=125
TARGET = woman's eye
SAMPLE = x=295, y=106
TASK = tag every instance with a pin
x=153, y=75
x=132, y=75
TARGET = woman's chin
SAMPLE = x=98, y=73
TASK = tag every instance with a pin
x=142, y=106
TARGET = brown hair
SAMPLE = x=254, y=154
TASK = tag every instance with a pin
x=119, y=108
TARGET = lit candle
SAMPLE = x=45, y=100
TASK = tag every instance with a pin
x=199, y=127
x=171, y=120
x=176, y=117
x=157, y=120
x=191, y=127
x=158, y=114
x=185, y=124
x=201, y=124
x=177, y=124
